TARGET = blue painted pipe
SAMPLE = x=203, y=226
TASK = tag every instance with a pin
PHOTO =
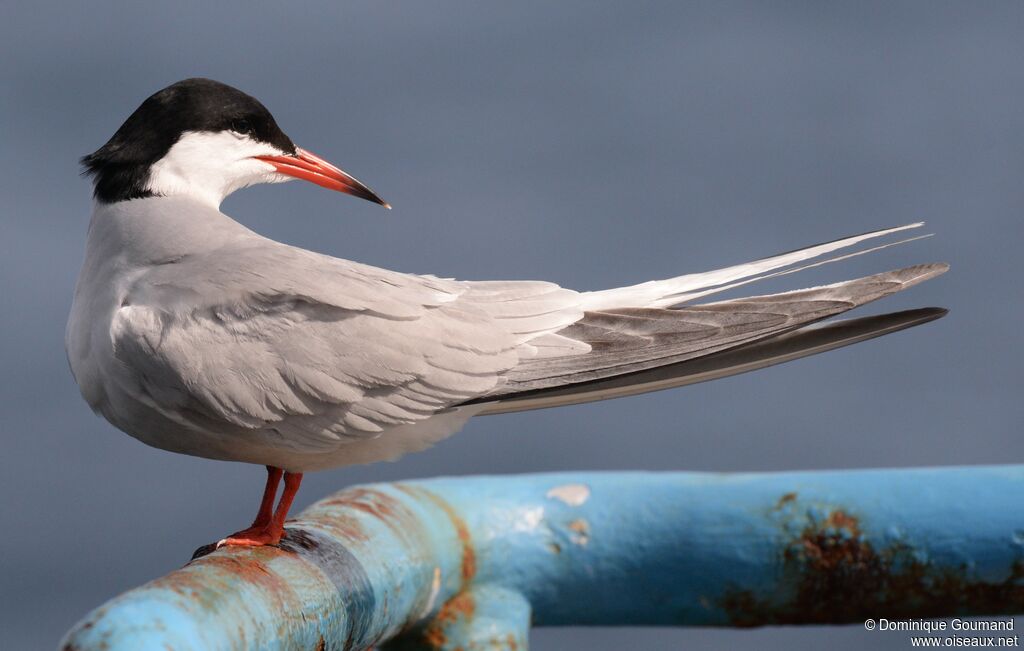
x=471, y=562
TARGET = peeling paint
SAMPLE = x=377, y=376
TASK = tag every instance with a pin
x=580, y=529
x=571, y=494
x=435, y=589
x=527, y=519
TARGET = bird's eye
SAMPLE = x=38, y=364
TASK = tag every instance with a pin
x=241, y=125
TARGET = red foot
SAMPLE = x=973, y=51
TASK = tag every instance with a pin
x=268, y=526
x=253, y=537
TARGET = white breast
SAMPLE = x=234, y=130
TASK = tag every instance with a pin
x=124, y=240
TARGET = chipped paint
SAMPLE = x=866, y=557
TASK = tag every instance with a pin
x=435, y=589
x=526, y=519
x=571, y=494
x=580, y=529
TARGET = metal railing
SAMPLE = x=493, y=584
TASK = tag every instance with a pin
x=473, y=562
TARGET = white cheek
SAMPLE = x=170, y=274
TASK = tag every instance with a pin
x=250, y=171
x=266, y=173
x=210, y=166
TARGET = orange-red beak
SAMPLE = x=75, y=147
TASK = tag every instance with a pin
x=308, y=166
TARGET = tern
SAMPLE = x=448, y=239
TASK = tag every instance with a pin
x=194, y=334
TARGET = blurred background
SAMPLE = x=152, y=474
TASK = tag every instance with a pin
x=591, y=144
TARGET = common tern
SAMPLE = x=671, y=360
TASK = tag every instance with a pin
x=194, y=334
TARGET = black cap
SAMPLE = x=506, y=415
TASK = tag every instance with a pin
x=121, y=167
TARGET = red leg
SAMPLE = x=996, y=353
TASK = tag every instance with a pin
x=269, y=494
x=292, y=480
x=268, y=527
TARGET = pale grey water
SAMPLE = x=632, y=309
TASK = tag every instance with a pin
x=590, y=144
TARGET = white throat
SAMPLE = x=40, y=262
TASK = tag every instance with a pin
x=210, y=166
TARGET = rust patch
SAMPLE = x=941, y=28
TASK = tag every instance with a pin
x=461, y=607
x=381, y=506
x=468, y=553
x=461, y=530
x=345, y=527
x=510, y=642
x=832, y=574
x=785, y=499
x=369, y=500
x=321, y=645
x=434, y=638
x=211, y=583
x=374, y=502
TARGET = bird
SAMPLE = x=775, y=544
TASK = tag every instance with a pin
x=197, y=335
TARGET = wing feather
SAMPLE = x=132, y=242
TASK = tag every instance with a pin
x=313, y=350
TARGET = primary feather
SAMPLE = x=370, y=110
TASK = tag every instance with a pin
x=627, y=340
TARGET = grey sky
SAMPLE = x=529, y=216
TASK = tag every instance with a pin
x=590, y=144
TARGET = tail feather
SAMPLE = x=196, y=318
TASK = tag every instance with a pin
x=692, y=296
x=767, y=352
x=675, y=291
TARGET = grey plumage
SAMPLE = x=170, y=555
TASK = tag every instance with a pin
x=194, y=334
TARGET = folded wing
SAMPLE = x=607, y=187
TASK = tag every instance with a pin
x=310, y=353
